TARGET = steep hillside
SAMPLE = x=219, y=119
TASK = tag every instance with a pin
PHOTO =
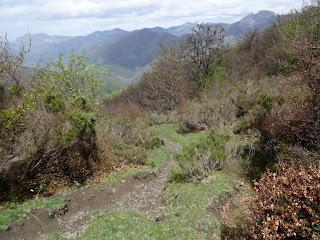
x=252, y=22
x=134, y=50
x=48, y=47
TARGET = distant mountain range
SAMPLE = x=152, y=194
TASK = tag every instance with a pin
x=131, y=49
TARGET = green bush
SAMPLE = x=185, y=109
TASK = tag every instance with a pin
x=153, y=143
x=16, y=90
x=54, y=102
x=82, y=126
x=177, y=175
x=218, y=73
x=199, y=160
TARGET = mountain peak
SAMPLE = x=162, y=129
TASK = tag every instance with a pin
x=253, y=22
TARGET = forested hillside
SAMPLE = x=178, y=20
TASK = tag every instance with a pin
x=214, y=141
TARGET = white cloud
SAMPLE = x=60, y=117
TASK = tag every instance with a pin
x=74, y=17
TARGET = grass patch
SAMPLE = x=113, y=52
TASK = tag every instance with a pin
x=185, y=216
x=13, y=211
x=157, y=158
x=169, y=132
x=187, y=205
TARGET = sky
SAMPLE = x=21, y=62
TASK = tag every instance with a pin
x=81, y=17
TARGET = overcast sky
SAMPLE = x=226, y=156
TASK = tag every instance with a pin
x=79, y=17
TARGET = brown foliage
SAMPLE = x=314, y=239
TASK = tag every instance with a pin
x=162, y=89
x=287, y=204
x=293, y=123
x=123, y=106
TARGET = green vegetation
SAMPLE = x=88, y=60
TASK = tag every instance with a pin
x=185, y=215
x=201, y=158
x=169, y=131
x=12, y=211
x=225, y=116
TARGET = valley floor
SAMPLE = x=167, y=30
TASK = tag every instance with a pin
x=138, y=203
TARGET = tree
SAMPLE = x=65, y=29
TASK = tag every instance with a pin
x=73, y=79
x=167, y=84
x=10, y=62
x=203, y=45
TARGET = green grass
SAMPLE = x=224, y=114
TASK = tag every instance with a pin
x=187, y=203
x=169, y=132
x=157, y=158
x=13, y=211
x=185, y=214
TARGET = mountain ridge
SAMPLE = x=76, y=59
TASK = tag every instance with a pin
x=132, y=49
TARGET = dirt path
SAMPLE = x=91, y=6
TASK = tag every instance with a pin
x=141, y=194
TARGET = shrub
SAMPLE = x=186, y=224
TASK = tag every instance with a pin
x=54, y=102
x=177, y=175
x=199, y=160
x=287, y=203
x=126, y=154
x=127, y=139
x=51, y=128
x=16, y=90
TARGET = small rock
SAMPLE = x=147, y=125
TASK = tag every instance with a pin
x=15, y=160
x=208, y=180
x=241, y=184
x=5, y=228
x=51, y=214
x=159, y=218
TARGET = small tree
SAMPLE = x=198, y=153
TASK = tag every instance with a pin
x=203, y=45
x=167, y=84
x=11, y=62
x=73, y=79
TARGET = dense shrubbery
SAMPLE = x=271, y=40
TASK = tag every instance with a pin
x=51, y=126
x=127, y=140
x=287, y=204
x=282, y=125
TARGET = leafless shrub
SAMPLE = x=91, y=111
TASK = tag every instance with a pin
x=10, y=62
x=203, y=45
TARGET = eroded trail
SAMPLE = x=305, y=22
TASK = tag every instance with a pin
x=142, y=194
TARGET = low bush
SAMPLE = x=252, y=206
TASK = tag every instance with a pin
x=177, y=175
x=199, y=160
x=287, y=203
